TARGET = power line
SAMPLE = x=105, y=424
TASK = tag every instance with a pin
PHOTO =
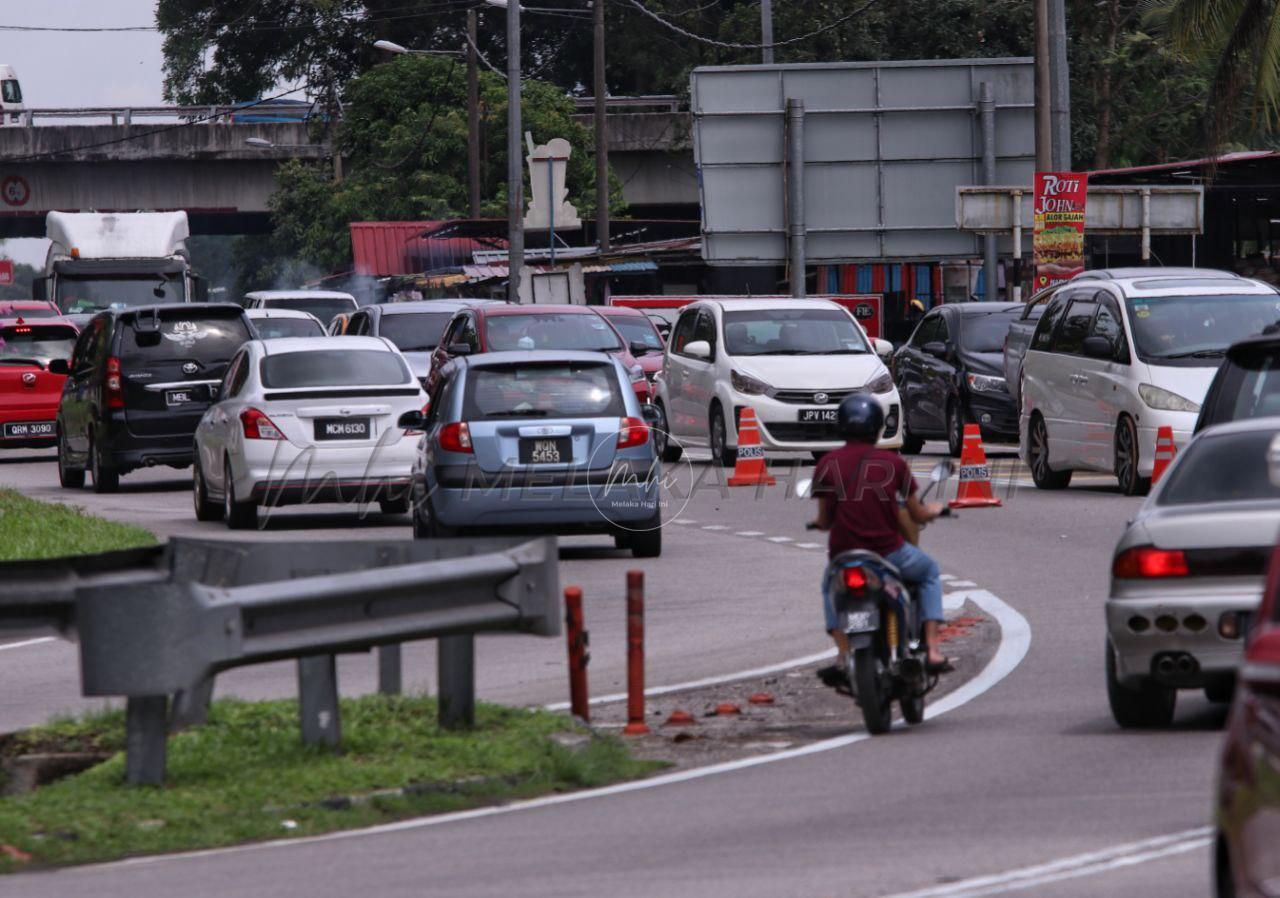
x=730, y=45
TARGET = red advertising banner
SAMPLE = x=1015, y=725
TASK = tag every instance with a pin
x=1057, y=236
x=6, y=272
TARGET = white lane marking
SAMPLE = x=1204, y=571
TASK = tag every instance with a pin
x=715, y=527
x=1014, y=642
x=780, y=539
x=27, y=642
x=1086, y=864
x=808, y=545
x=749, y=533
x=683, y=521
x=945, y=578
x=960, y=584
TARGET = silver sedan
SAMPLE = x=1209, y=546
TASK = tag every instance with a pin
x=1188, y=574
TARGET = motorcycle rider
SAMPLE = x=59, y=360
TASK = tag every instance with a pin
x=867, y=499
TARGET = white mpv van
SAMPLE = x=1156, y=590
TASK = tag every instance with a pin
x=1118, y=354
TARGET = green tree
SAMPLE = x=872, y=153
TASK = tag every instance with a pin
x=404, y=145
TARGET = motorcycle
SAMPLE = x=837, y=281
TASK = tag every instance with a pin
x=886, y=658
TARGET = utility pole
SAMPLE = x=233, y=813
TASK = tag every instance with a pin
x=473, y=119
x=1044, y=125
x=766, y=31
x=1060, y=89
x=601, y=89
x=515, y=157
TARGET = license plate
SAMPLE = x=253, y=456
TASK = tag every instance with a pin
x=178, y=397
x=858, y=620
x=550, y=451
x=342, y=428
x=818, y=415
x=28, y=429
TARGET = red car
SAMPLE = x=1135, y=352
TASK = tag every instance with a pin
x=639, y=331
x=29, y=393
x=501, y=327
x=1247, y=853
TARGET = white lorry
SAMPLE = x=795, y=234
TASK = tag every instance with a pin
x=113, y=260
x=11, y=105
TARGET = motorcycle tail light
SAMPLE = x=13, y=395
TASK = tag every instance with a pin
x=1150, y=563
x=855, y=578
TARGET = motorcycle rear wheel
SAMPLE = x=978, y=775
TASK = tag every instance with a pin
x=876, y=700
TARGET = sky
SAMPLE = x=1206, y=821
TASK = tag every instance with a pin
x=87, y=69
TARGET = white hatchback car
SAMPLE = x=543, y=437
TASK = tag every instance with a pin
x=301, y=420
x=273, y=324
x=792, y=361
x=1117, y=355
x=324, y=304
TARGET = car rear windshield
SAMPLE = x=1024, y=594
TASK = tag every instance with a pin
x=555, y=390
x=1226, y=467
x=414, y=331
x=1196, y=330
x=38, y=342
x=550, y=330
x=323, y=308
x=37, y=312
x=985, y=332
x=792, y=332
x=182, y=334
x=636, y=330
x=273, y=328
x=333, y=368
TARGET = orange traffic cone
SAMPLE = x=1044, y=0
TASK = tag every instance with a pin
x=1165, y=451
x=749, y=469
x=975, y=476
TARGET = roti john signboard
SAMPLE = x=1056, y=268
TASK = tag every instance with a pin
x=1057, y=236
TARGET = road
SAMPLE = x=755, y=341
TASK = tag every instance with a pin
x=1028, y=788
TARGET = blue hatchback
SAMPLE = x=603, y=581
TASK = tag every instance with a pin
x=549, y=441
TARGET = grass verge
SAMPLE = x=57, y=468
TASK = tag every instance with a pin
x=31, y=530
x=246, y=776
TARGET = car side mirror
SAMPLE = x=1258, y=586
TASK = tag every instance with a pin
x=699, y=349
x=937, y=349
x=60, y=366
x=1097, y=348
x=639, y=348
x=458, y=349
x=883, y=348
x=413, y=420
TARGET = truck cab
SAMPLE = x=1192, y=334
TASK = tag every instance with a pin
x=11, y=105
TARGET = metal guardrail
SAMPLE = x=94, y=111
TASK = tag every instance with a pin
x=658, y=102
x=159, y=623
x=124, y=115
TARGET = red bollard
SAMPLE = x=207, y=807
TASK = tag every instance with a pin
x=635, y=655
x=577, y=639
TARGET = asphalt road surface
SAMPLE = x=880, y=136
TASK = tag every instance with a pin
x=1027, y=788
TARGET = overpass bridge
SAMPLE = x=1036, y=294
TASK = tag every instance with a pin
x=208, y=166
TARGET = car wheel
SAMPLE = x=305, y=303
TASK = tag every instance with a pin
x=647, y=541
x=421, y=529
x=1223, y=880
x=398, y=505
x=720, y=451
x=955, y=428
x=436, y=530
x=239, y=515
x=1144, y=706
x=106, y=479
x=911, y=444
x=1042, y=475
x=69, y=476
x=669, y=453
x=1126, y=460
x=206, y=510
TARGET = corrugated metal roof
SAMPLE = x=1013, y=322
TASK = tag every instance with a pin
x=386, y=248
x=1225, y=159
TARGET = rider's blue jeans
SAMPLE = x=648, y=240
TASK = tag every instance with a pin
x=918, y=569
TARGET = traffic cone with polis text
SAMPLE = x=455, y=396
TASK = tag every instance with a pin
x=749, y=468
x=975, y=476
x=1165, y=452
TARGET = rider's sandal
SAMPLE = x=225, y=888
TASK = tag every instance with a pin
x=832, y=675
x=939, y=667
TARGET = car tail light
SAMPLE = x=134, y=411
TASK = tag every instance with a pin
x=855, y=578
x=632, y=432
x=115, y=391
x=411, y=433
x=455, y=437
x=1148, y=563
x=258, y=426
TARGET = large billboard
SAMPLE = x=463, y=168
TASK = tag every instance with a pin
x=885, y=146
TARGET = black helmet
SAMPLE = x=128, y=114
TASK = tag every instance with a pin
x=859, y=418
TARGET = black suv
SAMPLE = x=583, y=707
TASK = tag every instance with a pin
x=138, y=382
x=1248, y=383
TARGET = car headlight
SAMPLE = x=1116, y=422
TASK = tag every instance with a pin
x=882, y=383
x=745, y=384
x=985, y=383
x=1166, y=401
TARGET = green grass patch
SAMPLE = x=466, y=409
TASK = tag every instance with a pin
x=30, y=530
x=246, y=776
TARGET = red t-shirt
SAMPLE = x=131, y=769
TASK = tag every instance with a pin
x=868, y=485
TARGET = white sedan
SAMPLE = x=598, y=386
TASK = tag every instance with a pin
x=272, y=324
x=302, y=420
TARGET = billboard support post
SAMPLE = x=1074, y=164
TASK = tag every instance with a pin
x=795, y=194
x=987, y=117
x=1015, y=288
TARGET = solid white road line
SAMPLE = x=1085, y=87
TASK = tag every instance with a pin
x=1014, y=642
x=26, y=642
x=1086, y=864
